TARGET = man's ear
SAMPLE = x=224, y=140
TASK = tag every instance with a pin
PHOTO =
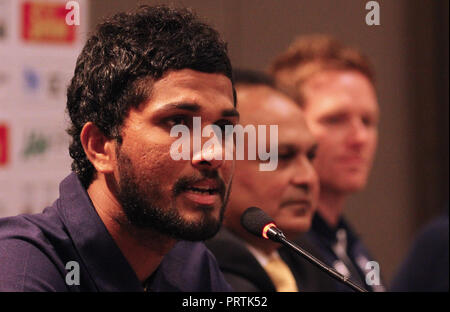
x=98, y=148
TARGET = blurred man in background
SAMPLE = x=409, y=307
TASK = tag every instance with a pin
x=426, y=267
x=288, y=194
x=335, y=87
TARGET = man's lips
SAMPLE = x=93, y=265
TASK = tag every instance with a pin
x=205, y=192
x=352, y=159
x=205, y=185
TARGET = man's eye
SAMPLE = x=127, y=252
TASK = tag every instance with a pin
x=336, y=119
x=311, y=155
x=286, y=156
x=223, y=123
x=176, y=120
x=369, y=122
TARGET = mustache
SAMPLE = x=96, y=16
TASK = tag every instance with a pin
x=184, y=183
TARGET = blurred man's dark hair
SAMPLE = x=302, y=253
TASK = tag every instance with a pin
x=251, y=77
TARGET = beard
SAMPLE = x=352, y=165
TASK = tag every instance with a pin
x=145, y=206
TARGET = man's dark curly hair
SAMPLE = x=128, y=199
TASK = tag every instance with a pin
x=123, y=58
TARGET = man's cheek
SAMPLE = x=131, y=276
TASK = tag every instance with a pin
x=228, y=170
x=163, y=168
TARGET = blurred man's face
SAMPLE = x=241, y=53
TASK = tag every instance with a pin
x=184, y=199
x=342, y=112
x=289, y=193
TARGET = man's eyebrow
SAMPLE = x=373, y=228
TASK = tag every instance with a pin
x=191, y=107
x=289, y=147
x=230, y=113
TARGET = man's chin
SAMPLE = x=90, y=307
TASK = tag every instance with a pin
x=293, y=230
x=198, y=232
x=353, y=186
x=198, y=214
x=349, y=183
x=199, y=222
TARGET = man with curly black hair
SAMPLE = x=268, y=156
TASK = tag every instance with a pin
x=128, y=216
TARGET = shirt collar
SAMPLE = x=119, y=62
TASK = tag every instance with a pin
x=321, y=228
x=262, y=257
x=106, y=264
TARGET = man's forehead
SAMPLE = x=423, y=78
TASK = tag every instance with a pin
x=264, y=105
x=340, y=103
x=338, y=82
x=295, y=131
x=193, y=88
x=192, y=79
x=334, y=91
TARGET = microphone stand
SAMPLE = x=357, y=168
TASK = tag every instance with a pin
x=275, y=234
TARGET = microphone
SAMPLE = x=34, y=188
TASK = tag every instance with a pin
x=257, y=222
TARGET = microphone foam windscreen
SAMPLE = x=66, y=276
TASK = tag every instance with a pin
x=254, y=220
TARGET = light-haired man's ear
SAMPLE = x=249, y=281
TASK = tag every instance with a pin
x=99, y=149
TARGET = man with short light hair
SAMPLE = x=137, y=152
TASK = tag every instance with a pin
x=334, y=85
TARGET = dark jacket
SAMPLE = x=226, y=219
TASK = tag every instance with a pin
x=244, y=273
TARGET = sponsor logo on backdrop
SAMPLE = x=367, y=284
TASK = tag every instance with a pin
x=35, y=144
x=4, y=17
x=37, y=81
x=5, y=80
x=56, y=84
x=45, y=22
x=38, y=142
x=4, y=144
x=31, y=80
x=2, y=27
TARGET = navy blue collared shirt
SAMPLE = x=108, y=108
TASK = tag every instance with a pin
x=36, y=249
x=323, y=237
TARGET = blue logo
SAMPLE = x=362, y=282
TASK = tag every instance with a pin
x=31, y=79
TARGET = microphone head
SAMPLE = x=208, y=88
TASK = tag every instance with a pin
x=256, y=221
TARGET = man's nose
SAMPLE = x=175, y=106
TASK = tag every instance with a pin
x=304, y=175
x=358, y=132
x=208, y=156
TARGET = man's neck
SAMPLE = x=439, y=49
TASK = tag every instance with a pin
x=143, y=249
x=331, y=206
